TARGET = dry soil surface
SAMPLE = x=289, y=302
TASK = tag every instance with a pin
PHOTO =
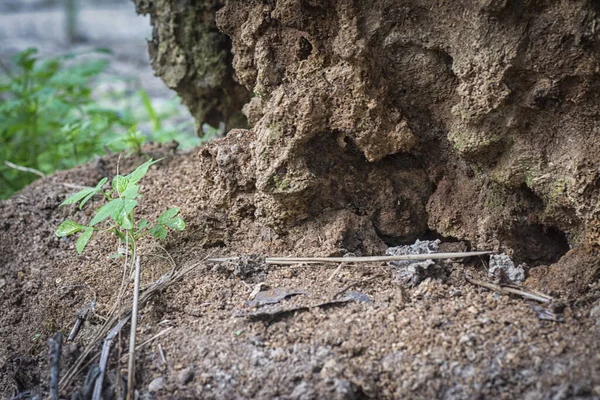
x=443, y=338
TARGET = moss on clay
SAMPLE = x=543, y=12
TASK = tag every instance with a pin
x=275, y=132
x=194, y=58
x=282, y=184
x=475, y=144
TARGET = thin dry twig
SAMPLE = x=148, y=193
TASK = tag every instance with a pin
x=162, y=354
x=24, y=169
x=134, y=312
x=104, y=357
x=81, y=317
x=416, y=257
x=55, y=343
x=153, y=338
x=335, y=272
x=74, y=186
x=509, y=289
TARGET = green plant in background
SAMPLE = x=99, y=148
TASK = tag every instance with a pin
x=51, y=119
x=120, y=210
x=157, y=131
x=134, y=139
x=48, y=119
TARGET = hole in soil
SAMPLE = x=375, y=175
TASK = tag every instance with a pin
x=537, y=244
x=304, y=49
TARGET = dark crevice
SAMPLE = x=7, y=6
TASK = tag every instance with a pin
x=537, y=244
x=304, y=49
x=427, y=235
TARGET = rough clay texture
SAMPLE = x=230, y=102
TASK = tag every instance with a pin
x=485, y=111
x=442, y=338
x=373, y=123
x=194, y=58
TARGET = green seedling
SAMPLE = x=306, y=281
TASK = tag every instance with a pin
x=119, y=211
x=134, y=139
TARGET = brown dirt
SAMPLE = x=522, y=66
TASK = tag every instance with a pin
x=444, y=338
x=373, y=123
x=488, y=108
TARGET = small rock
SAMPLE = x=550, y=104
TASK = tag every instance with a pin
x=411, y=272
x=156, y=384
x=595, y=313
x=193, y=311
x=186, y=375
x=502, y=265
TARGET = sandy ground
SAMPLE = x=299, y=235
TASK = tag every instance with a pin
x=443, y=338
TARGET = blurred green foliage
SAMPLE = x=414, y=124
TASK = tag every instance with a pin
x=51, y=118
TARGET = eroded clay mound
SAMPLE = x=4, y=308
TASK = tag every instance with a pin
x=193, y=58
x=475, y=120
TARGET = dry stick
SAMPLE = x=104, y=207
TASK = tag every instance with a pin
x=74, y=186
x=55, y=344
x=314, y=260
x=104, y=357
x=320, y=260
x=134, y=312
x=335, y=272
x=24, y=169
x=160, y=284
x=542, y=298
x=141, y=345
x=162, y=354
x=81, y=316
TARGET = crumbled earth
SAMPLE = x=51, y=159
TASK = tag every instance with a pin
x=373, y=124
x=442, y=338
x=486, y=112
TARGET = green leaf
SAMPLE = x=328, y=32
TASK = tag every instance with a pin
x=176, y=223
x=84, y=194
x=123, y=216
x=169, y=219
x=113, y=207
x=84, y=239
x=74, y=198
x=131, y=192
x=140, y=171
x=168, y=214
x=143, y=224
x=97, y=189
x=159, y=231
x=68, y=227
x=103, y=50
x=124, y=221
x=116, y=255
x=119, y=183
x=150, y=110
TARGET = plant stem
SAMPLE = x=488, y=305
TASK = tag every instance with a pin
x=134, y=311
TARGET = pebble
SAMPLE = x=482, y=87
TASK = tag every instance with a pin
x=156, y=384
x=193, y=311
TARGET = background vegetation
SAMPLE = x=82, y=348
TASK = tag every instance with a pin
x=52, y=116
